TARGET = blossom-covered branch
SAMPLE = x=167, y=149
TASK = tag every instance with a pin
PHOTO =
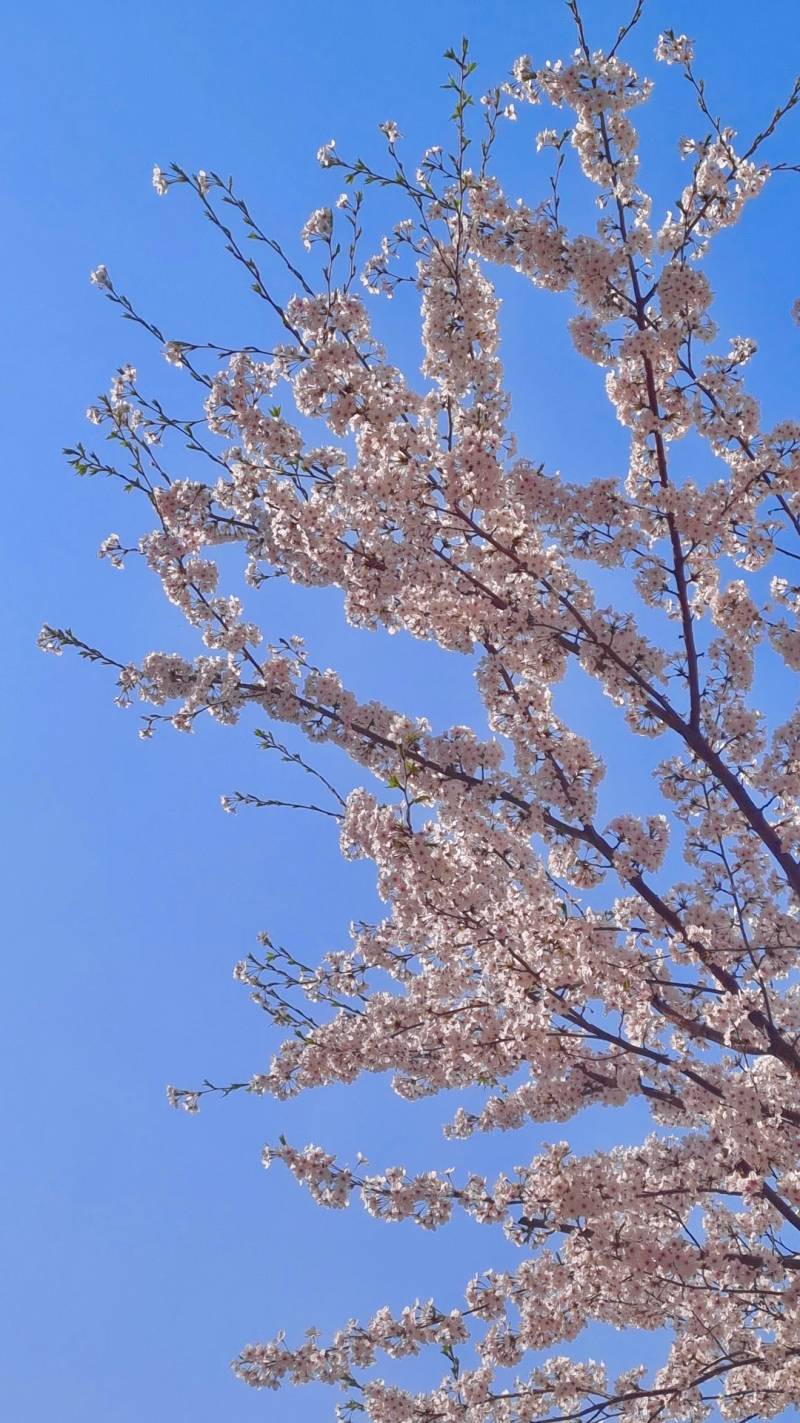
x=534, y=948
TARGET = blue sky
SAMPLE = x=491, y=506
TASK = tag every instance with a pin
x=143, y=1248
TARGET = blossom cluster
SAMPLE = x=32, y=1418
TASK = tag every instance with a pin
x=538, y=950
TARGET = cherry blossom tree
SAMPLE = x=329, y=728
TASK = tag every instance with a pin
x=532, y=954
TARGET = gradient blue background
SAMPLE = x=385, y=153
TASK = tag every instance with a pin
x=142, y=1248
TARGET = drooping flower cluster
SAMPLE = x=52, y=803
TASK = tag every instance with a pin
x=532, y=948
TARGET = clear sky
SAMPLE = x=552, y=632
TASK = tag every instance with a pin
x=142, y=1248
